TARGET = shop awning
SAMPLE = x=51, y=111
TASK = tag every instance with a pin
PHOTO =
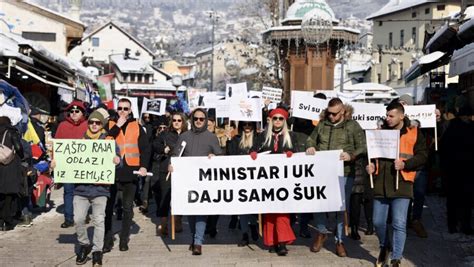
x=462, y=61
x=444, y=40
x=425, y=64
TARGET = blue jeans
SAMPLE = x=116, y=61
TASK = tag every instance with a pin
x=419, y=191
x=198, y=227
x=68, y=202
x=321, y=220
x=399, y=208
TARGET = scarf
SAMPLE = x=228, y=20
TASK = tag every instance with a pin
x=94, y=136
x=276, y=138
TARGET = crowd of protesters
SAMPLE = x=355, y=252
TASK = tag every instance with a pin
x=145, y=145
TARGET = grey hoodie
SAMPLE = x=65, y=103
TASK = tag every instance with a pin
x=199, y=141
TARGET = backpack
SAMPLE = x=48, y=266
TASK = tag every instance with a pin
x=6, y=154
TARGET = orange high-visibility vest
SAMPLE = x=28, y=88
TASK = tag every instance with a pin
x=128, y=143
x=407, y=146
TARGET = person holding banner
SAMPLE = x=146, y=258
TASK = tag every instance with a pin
x=336, y=132
x=277, y=138
x=163, y=147
x=92, y=195
x=241, y=145
x=73, y=127
x=135, y=152
x=413, y=155
x=199, y=143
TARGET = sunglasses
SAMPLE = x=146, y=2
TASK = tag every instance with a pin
x=278, y=118
x=199, y=118
x=75, y=111
x=247, y=125
x=162, y=127
x=98, y=123
x=123, y=108
x=333, y=113
x=177, y=120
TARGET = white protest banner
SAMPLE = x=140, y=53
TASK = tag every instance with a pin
x=236, y=90
x=367, y=114
x=306, y=106
x=272, y=94
x=255, y=94
x=84, y=161
x=245, y=109
x=382, y=143
x=134, y=102
x=425, y=114
x=270, y=184
x=154, y=106
x=222, y=108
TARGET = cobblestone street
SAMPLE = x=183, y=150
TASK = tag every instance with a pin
x=46, y=244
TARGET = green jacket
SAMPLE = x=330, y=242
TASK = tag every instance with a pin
x=384, y=181
x=347, y=135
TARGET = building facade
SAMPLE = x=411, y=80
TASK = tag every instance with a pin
x=400, y=30
x=54, y=31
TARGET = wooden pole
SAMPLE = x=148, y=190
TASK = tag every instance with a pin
x=436, y=137
x=346, y=223
x=260, y=232
x=371, y=179
x=398, y=172
x=172, y=227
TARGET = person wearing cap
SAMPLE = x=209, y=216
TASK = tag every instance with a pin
x=91, y=196
x=135, y=153
x=335, y=132
x=457, y=157
x=199, y=143
x=73, y=127
x=391, y=195
x=277, y=138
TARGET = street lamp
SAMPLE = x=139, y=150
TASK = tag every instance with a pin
x=176, y=80
x=214, y=19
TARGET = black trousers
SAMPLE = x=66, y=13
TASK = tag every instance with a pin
x=109, y=211
x=358, y=200
x=6, y=209
x=162, y=193
x=128, y=195
x=458, y=204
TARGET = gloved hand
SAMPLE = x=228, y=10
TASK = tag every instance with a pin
x=289, y=154
x=253, y=155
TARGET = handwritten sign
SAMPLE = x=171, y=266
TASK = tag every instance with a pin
x=425, y=114
x=382, y=143
x=84, y=161
x=272, y=94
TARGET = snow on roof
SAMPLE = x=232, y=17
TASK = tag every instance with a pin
x=398, y=5
x=131, y=65
x=156, y=86
x=54, y=13
x=208, y=49
x=9, y=48
x=466, y=26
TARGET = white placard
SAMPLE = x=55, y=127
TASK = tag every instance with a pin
x=134, y=102
x=272, y=94
x=222, y=108
x=425, y=114
x=367, y=114
x=195, y=97
x=306, y=106
x=270, y=184
x=382, y=143
x=236, y=90
x=155, y=106
x=209, y=100
x=245, y=109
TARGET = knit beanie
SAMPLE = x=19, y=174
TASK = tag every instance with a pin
x=98, y=116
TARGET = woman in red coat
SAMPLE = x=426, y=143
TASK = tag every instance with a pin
x=277, y=138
